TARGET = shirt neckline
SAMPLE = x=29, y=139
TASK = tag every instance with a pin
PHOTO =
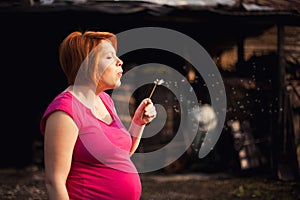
x=90, y=111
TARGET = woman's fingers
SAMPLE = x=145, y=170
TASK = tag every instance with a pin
x=149, y=113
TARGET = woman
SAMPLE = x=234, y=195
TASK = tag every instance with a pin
x=87, y=149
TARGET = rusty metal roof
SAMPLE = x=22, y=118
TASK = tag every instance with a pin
x=292, y=6
x=276, y=5
x=255, y=11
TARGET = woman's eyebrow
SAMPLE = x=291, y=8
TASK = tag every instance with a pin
x=108, y=51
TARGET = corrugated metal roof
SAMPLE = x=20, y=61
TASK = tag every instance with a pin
x=270, y=11
x=282, y=5
x=241, y=5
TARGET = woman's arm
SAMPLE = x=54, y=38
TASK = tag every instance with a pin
x=60, y=136
x=136, y=132
x=144, y=114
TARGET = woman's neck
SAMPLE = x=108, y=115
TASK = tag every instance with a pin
x=85, y=94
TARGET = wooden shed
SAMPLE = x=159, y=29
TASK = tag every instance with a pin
x=254, y=43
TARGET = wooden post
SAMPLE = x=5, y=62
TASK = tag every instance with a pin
x=241, y=51
x=281, y=75
x=284, y=168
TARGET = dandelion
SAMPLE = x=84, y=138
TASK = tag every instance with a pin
x=156, y=83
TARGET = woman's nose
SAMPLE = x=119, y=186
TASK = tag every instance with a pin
x=119, y=62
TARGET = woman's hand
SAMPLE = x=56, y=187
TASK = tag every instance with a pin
x=143, y=115
x=145, y=112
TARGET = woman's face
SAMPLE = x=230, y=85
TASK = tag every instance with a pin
x=110, y=67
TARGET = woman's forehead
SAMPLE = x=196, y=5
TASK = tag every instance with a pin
x=106, y=45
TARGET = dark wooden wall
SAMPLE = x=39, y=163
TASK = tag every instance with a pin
x=31, y=75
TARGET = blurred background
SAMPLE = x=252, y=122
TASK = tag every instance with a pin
x=254, y=43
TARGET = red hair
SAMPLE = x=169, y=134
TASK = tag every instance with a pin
x=76, y=47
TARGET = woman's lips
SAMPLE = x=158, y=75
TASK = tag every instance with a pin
x=120, y=74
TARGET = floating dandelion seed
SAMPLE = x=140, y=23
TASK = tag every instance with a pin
x=156, y=83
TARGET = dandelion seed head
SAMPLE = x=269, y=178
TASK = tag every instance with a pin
x=159, y=81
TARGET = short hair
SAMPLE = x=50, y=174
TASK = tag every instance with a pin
x=76, y=47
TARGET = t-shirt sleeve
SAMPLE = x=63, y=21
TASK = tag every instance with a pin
x=62, y=102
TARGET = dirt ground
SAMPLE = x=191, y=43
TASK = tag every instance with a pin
x=28, y=184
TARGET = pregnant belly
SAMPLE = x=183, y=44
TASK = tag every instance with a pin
x=103, y=183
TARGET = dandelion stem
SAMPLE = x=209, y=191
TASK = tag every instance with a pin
x=156, y=82
x=152, y=91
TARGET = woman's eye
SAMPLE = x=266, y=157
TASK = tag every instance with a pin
x=109, y=57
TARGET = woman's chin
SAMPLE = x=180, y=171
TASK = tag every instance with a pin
x=117, y=84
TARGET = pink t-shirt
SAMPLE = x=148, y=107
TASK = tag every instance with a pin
x=101, y=165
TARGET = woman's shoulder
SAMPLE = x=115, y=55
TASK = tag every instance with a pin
x=64, y=97
x=62, y=102
x=106, y=98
